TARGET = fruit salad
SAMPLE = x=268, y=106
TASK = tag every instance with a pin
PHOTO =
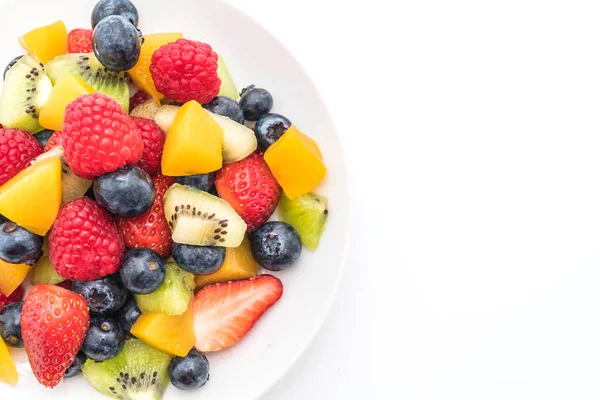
x=138, y=194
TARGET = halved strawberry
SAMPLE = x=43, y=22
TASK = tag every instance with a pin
x=55, y=140
x=224, y=313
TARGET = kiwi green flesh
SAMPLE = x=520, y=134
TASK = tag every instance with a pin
x=228, y=87
x=199, y=218
x=25, y=90
x=43, y=273
x=139, y=372
x=308, y=214
x=173, y=296
x=87, y=66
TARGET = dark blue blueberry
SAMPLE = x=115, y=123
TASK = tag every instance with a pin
x=10, y=324
x=116, y=43
x=226, y=107
x=202, y=260
x=128, y=314
x=255, y=102
x=18, y=245
x=128, y=192
x=105, y=339
x=106, y=8
x=104, y=295
x=43, y=136
x=269, y=128
x=11, y=64
x=213, y=191
x=200, y=181
x=90, y=193
x=189, y=372
x=142, y=271
x=75, y=367
x=276, y=245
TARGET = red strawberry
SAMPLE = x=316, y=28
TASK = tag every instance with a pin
x=251, y=189
x=154, y=141
x=16, y=295
x=84, y=242
x=80, y=41
x=150, y=230
x=55, y=140
x=225, y=312
x=17, y=149
x=99, y=136
x=138, y=98
x=54, y=322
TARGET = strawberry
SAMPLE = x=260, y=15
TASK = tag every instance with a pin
x=80, y=41
x=16, y=295
x=150, y=230
x=224, y=313
x=54, y=322
x=154, y=141
x=55, y=140
x=251, y=189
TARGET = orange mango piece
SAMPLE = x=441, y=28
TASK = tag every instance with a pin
x=8, y=369
x=171, y=334
x=67, y=88
x=296, y=162
x=140, y=73
x=238, y=265
x=46, y=42
x=11, y=276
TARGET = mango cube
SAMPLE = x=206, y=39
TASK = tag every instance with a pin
x=68, y=87
x=8, y=369
x=46, y=42
x=238, y=265
x=11, y=276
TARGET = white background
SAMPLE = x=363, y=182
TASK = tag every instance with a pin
x=472, y=136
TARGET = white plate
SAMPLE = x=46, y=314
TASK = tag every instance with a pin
x=254, y=56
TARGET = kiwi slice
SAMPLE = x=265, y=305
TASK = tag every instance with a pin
x=26, y=90
x=228, y=87
x=87, y=66
x=173, y=296
x=308, y=214
x=137, y=372
x=43, y=273
x=199, y=218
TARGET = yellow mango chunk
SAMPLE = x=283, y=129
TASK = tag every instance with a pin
x=8, y=369
x=40, y=183
x=140, y=73
x=11, y=276
x=194, y=143
x=46, y=42
x=296, y=162
x=171, y=334
x=68, y=87
x=238, y=265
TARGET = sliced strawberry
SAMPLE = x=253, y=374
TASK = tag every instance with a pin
x=224, y=313
x=55, y=140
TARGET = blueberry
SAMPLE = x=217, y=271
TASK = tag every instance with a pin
x=106, y=8
x=142, y=271
x=11, y=64
x=10, y=324
x=276, y=245
x=104, y=295
x=226, y=107
x=90, y=193
x=269, y=128
x=189, y=372
x=18, y=245
x=128, y=192
x=75, y=367
x=116, y=43
x=200, y=181
x=202, y=260
x=43, y=136
x=128, y=314
x=105, y=339
x=255, y=102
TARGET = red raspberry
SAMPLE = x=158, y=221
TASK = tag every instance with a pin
x=138, y=98
x=154, y=141
x=16, y=295
x=99, y=136
x=80, y=41
x=17, y=149
x=186, y=70
x=84, y=242
x=55, y=140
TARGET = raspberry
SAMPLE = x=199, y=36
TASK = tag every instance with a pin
x=99, y=136
x=84, y=242
x=154, y=141
x=186, y=70
x=15, y=296
x=138, y=98
x=80, y=41
x=17, y=149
